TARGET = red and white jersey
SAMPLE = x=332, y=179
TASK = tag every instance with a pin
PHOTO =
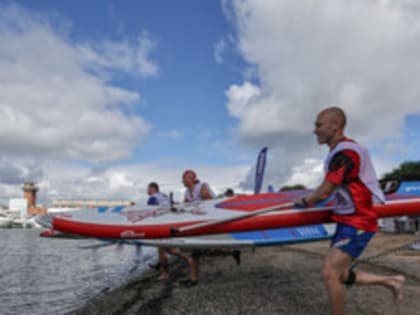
x=349, y=167
x=195, y=194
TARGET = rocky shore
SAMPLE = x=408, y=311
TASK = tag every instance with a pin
x=271, y=280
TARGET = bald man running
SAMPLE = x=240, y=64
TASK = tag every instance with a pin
x=351, y=179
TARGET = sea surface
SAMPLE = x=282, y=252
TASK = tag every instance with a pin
x=56, y=276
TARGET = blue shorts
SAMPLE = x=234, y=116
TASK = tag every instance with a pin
x=350, y=240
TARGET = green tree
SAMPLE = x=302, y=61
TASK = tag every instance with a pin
x=407, y=171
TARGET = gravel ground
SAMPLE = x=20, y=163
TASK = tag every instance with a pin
x=270, y=280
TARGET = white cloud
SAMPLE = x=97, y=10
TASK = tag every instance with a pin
x=219, y=49
x=15, y=173
x=171, y=134
x=361, y=55
x=59, y=107
x=240, y=97
x=53, y=105
x=133, y=58
x=63, y=180
x=144, y=64
x=384, y=165
x=309, y=173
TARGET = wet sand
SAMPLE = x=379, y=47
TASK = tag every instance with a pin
x=271, y=280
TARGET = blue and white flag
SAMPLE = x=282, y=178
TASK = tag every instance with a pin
x=259, y=171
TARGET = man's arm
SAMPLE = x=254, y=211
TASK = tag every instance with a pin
x=344, y=165
x=205, y=192
x=321, y=193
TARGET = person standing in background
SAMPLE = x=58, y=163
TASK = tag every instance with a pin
x=157, y=198
x=195, y=190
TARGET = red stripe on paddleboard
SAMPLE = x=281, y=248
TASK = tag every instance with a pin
x=287, y=218
x=257, y=202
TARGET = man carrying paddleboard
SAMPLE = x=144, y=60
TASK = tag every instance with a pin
x=155, y=196
x=196, y=191
x=351, y=179
x=158, y=198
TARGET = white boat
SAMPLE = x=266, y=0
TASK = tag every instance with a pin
x=31, y=222
x=5, y=221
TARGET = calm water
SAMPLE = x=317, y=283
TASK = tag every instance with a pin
x=55, y=276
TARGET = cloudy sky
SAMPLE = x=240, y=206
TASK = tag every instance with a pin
x=99, y=98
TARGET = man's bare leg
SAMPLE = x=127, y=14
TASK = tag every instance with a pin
x=195, y=268
x=163, y=260
x=336, y=264
x=335, y=273
x=393, y=283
